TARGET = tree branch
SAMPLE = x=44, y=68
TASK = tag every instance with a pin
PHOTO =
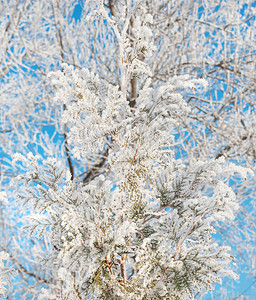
x=112, y=7
x=67, y=151
x=96, y=168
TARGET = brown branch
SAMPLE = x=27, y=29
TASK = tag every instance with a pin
x=109, y=265
x=133, y=96
x=95, y=278
x=67, y=151
x=132, y=101
x=76, y=289
x=150, y=218
x=123, y=267
x=22, y=270
x=112, y=7
x=96, y=169
x=6, y=131
x=228, y=147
